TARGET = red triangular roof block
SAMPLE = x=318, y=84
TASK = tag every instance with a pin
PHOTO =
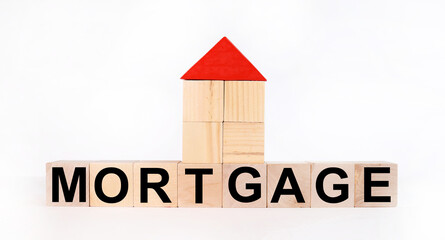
x=223, y=62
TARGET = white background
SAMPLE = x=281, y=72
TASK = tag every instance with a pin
x=99, y=80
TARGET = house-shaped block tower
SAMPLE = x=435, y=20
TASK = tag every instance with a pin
x=223, y=108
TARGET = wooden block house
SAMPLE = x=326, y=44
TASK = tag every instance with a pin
x=223, y=108
x=223, y=122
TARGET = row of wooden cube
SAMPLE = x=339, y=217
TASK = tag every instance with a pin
x=223, y=101
x=175, y=184
x=228, y=142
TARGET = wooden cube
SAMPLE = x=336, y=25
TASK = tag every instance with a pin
x=244, y=101
x=202, y=142
x=332, y=184
x=156, y=184
x=289, y=185
x=203, y=101
x=199, y=185
x=243, y=142
x=111, y=184
x=375, y=184
x=67, y=183
x=244, y=186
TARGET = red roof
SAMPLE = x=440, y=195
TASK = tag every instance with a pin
x=223, y=62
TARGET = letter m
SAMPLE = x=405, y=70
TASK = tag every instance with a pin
x=79, y=178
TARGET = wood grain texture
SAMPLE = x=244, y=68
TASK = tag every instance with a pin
x=170, y=189
x=202, y=142
x=390, y=178
x=211, y=186
x=302, y=173
x=203, y=101
x=244, y=101
x=68, y=169
x=329, y=182
x=243, y=142
x=241, y=181
x=111, y=184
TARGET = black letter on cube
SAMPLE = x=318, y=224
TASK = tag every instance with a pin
x=256, y=187
x=198, y=172
x=294, y=190
x=98, y=185
x=342, y=187
x=79, y=176
x=157, y=186
x=368, y=184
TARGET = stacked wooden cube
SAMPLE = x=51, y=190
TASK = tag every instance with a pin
x=223, y=118
x=223, y=121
